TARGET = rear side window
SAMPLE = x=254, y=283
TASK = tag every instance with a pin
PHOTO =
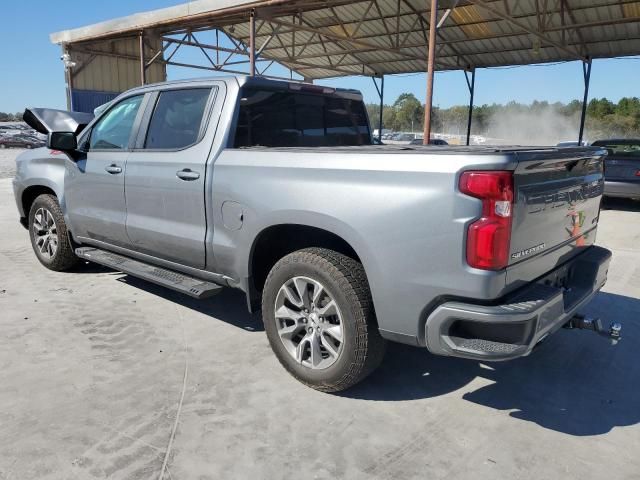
x=291, y=119
x=177, y=118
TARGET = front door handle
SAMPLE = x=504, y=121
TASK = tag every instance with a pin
x=187, y=174
x=113, y=169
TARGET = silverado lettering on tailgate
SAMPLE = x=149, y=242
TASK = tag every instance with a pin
x=528, y=251
x=539, y=202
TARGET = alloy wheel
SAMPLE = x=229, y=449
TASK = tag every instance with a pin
x=309, y=323
x=45, y=233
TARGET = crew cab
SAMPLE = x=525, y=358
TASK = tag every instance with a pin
x=275, y=188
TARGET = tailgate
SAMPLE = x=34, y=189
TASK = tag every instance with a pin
x=619, y=168
x=557, y=202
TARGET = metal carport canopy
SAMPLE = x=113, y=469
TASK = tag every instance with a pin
x=331, y=38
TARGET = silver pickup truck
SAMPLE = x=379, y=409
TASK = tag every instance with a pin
x=275, y=188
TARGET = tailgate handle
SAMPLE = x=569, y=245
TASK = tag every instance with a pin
x=187, y=174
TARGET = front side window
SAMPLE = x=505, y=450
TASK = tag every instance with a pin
x=283, y=118
x=112, y=132
x=177, y=118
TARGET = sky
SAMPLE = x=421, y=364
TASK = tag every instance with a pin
x=32, y=73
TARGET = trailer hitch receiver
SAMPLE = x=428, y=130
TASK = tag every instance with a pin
x=580, y=322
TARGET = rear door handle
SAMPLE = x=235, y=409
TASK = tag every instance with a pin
x=113, y=169
x=187, y=174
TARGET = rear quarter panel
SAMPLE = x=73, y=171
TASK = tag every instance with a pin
x=401, y=214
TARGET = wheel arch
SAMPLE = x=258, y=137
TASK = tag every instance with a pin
x=275, y=241
x=28, y=196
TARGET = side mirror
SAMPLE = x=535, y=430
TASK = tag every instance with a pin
x=63, y=141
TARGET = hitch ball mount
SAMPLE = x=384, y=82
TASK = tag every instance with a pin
x=580, y=322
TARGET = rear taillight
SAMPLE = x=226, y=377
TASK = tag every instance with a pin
x=488, y=238
x=638, y=173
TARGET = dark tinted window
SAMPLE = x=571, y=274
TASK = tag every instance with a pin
x=292, y=119
x=621, y=149
x=113, y=130
x=177, y=117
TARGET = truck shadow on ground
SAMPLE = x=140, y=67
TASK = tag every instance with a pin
x=622, y=204
x=92, y=268
x=229, y=306
x=575, y=383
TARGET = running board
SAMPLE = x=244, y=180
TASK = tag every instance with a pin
x=179, y=282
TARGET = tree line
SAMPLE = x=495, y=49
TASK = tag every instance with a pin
x=10, y=117
x=604, y=117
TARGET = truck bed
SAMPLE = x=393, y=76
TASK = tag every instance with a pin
x=432, y=149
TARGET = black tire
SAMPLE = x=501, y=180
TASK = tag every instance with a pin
x=345, y=280
x=64, y=257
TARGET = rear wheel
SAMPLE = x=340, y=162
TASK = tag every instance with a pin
x=49, y=236
x=319, y=319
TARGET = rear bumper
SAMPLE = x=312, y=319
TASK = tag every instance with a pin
x=622, y=189
x=514, y=327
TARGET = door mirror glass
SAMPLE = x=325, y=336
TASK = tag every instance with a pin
x=63, y=141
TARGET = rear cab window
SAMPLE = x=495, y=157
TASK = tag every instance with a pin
x=177, y=118
x=291, y=118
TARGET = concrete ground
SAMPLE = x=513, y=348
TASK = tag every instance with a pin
x=106, y=376
x=8, y=161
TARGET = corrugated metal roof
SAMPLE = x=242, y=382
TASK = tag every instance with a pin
x=373, y=37
x=113, y=67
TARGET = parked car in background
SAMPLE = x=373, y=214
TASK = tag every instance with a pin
x=21, y=141
x=404, y=137
x=572, y=143
x=622, y=167
x=9, y=129
x=433, y=141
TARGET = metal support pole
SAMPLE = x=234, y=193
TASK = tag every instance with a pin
x=143, y=67
x=381, y=96
x=472, y=87
x=68, y=79
x=586, y=72
x=381, y=107
x=252, y=43
x=430, y=71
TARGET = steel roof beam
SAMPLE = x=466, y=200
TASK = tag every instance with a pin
x=491, y=20
x=550, y=13
x=445, y=41
x=485, y=5
x=578, y=32
x=353, y=41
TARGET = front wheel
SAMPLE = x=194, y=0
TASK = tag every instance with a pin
x=319, y=319
x=49, y=236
